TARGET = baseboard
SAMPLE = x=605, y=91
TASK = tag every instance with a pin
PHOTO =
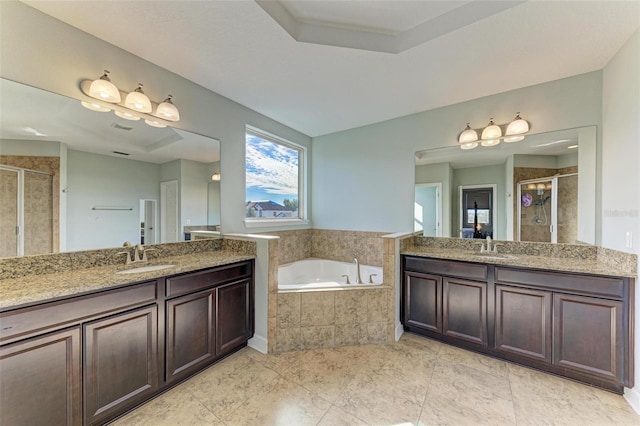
x=399, y=331
x=258, y=343
x=633, y=398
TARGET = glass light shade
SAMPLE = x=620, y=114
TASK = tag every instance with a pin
x=104, y=89
x=167, y=110
x=94, y=107
x=531, y=186
x=540, y=186
x=154, y=123
x=518, y=126
x=215, y=176
x=127, y=115
x=138, y=101
x=490, y=142
x=517, y=138
x=469, y=145
x=492, y=131
x=468, y=135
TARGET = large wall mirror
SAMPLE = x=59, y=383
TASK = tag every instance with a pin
x=541, y=189
x=74, y=179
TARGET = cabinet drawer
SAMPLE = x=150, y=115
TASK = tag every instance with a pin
x=189, y=283
x=597, y=286
x=24, y=321
x=446, y=267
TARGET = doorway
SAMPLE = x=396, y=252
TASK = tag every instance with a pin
x=428, y=209
x=478, y=211
x=148, y=219
x=169, y=212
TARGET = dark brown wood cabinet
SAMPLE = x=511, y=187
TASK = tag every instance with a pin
x=423, y=301
x=464, y=310
x=88, y=359
x=190, y=333
x=523, y=322
x=576, y=325
x=40, y=380
x=589, y=335
x=120, y=366
x=234, y=319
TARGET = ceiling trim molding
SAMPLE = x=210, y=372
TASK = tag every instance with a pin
x=335, y=34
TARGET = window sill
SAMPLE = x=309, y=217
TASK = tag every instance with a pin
x=265, y=223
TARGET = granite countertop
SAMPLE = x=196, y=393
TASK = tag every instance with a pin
x=562, y=264
x=17, y=292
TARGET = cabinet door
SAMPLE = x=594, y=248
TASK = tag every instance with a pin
x=588, y=335
x=121, y=365
x=233, y=324
x=190, y=333
x=523, y=322
x=423, y=301
x=40, y=380
x=465, y=310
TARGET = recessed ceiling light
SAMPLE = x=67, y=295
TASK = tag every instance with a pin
x=572, y=146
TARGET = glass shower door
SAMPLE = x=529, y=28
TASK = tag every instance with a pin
x=9, y=213
x=535, y=211
x=38, y=213
x=567, y=211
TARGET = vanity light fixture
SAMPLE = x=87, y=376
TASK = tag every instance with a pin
x=492, y=134
x=138, y=101
x=168, y=110
x=154, y=123
x=95, y=106
x=126, y=115
x=516, y=129
x=136, y=104
x=104, y=89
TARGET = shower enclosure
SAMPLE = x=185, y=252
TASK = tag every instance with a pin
x=26, y=212
x=547, y=208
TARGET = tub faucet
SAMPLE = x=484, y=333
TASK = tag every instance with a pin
x=358, y=278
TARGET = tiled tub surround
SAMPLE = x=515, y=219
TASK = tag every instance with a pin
x=371, y=317
x=327, y=319
x=558, y=257
x=32, y=279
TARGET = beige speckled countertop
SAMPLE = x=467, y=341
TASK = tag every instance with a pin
x=33, y=289
x=563, y=264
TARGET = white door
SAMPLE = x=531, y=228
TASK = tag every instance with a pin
x=169, y=212
x=428, y=209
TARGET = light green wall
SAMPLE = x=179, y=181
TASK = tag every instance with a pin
x=621, y=171
x=442, y=173
x=376, y=162
x=43, y=52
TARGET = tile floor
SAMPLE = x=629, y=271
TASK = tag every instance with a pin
x=416, y=381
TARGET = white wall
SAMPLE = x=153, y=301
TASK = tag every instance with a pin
x=41, y=51
x=375, y=163
x=443, y=173
x=621, y=166
x=95, y=180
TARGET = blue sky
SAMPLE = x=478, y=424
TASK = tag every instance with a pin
x=271, y=170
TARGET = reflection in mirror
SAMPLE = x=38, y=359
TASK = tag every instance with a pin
x=104, y=175
x=564, y=211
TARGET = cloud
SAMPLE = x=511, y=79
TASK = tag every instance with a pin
x=271, y=167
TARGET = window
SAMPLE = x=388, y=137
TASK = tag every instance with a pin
x=273, y=178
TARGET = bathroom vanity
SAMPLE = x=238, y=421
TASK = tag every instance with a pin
x=92, y=356
x=574, y=324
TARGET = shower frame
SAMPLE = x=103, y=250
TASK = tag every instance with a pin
x=553, y=225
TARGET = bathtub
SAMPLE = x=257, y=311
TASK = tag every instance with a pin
x=321, y=274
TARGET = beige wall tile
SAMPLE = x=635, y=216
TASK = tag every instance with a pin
x=288, y=310
x=317, y=337
x=377, y=305
x=351, y=307
x=288, y=339
x=346, y=334
x=377, y=332
x=317, y=308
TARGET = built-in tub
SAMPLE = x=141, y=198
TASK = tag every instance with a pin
x=322, y=274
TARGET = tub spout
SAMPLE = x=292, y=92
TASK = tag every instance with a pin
x=358, y=278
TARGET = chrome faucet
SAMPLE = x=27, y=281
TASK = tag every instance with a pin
x=139, y=254
x=358, y=278
x=490, y=247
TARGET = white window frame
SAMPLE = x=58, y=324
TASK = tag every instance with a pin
x=302, y=183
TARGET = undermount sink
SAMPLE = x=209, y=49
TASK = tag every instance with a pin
x=142, y=269
x=490, y=255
